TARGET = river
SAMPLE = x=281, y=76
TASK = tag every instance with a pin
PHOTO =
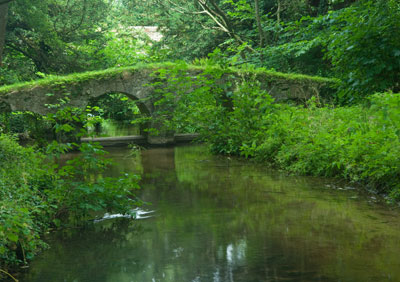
x=214, y=218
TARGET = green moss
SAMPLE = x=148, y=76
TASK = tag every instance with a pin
x=76, y=78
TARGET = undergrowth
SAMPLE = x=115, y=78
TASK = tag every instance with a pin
x=37, y=194
x=359, y=143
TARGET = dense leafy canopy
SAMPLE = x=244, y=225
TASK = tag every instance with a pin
x=349, y=39
x=364, y=48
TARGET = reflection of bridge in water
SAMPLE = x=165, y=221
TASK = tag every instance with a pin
x=137, y=139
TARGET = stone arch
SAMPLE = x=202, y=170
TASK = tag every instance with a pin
x=143, y=107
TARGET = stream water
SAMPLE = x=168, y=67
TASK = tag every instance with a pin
x=112, y=128
x=219, y=219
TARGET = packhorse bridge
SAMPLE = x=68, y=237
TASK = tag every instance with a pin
x=138, y=83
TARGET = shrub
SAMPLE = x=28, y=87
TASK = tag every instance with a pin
x=364, y=49
x=36, y=194
x=22, y=207
x=359, y=143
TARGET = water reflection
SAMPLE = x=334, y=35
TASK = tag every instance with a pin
x=112, y=128
x=219, y=219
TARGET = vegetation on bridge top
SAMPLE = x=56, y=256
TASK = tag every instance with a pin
x=54, y=80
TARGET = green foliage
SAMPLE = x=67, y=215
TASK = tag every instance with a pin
x=193, y=103
x=324, y=38
x=358, y=143
x=36, y=194
x=26, y=125
x=15, y=68
x=364, y=49
x=313, y=37
x=54, y=36
x=60, y=37
x=117, y=107
x=22, y=208
x=82, y=190
x=126, y=48
x=192, y=29
x=76, y=78
x=297, y=46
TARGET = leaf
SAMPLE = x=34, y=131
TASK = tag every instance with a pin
x=12, y=237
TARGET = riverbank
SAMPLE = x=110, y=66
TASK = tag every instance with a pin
x=359, y=143
x=37, y=196
x=228, y=219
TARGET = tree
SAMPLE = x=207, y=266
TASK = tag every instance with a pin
x=57, y=36
x=3, y=23
x=187, y=32
x=364, y=47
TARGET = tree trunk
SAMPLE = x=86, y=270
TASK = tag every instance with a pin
x=258, y=20
x=278, y=13
x=3, y=22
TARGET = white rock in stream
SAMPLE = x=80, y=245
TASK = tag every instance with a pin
x=136, y=214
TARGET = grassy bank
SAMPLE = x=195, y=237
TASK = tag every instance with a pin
x=359, y=143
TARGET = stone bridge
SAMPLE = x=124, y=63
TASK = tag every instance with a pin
x=136, y=83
